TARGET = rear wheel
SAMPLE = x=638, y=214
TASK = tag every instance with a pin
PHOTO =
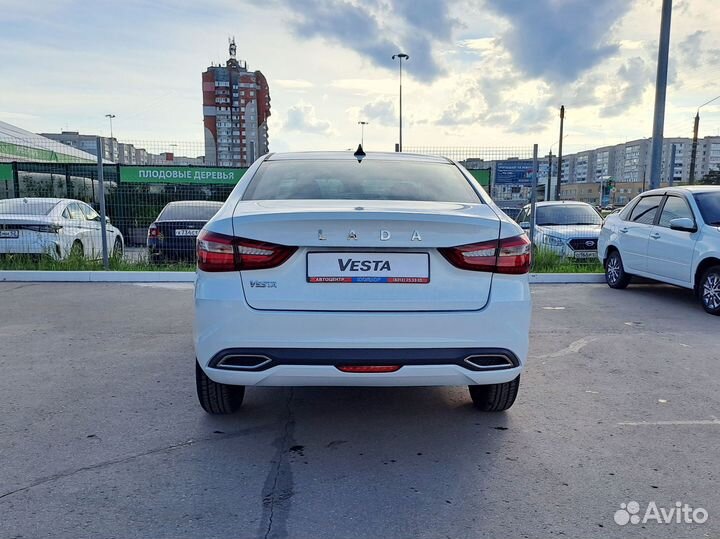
x=117, y=251
x=77, y=250
x=710, y=290
x=495, y=397
x=217, y=399
x=615, y=275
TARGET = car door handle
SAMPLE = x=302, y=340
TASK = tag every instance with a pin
x=624, y=230
x=654, y=235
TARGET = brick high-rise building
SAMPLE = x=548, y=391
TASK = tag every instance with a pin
x=236, y=106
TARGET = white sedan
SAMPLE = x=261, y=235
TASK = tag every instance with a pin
x=567, y=228
x=385, y=269
x=670, y=235
x=57, y=227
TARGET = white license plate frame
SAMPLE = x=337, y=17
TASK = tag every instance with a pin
x=9, y=234
x=376, y=275
x=585, y=255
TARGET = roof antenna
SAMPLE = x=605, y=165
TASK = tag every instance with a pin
x=359, y=153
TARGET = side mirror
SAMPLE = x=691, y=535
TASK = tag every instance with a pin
x=684, y=224
x=525, y=225
x=107, y=219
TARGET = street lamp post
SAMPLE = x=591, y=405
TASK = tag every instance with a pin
x=362, y=125
x=693, y=153
x=110, y=117
x=400, y=56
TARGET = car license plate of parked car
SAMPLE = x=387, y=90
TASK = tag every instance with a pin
x=9, y=233
x=368, y=267
x=585, y=254
x=187, y=232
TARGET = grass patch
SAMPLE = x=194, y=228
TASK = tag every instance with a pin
x=46, y=263
x=545, y=261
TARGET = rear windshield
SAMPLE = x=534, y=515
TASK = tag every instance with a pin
x=198, y=211
x=19, y=206
x=709, y=204
x=567, y=214
x=368, y=180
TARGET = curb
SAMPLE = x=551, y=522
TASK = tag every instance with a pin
x=567, y=278
x=189, y=277
x=98, y=276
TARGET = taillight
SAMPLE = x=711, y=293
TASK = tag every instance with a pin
x=215, y=252
x=153, y=231
x=507, y=255
x=218, y=252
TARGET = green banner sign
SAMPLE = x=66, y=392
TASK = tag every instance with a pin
x=196, y=175
x=6, y=174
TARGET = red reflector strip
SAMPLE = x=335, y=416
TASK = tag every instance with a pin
x=369, y=368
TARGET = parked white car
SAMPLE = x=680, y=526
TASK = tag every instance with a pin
x=55, y=227
x=670, y=235
x=385, y=269
x=567, y=228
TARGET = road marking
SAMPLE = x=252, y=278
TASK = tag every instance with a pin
x=170, y=286
x=572, y=348
x=554, y=308
x=713, y=421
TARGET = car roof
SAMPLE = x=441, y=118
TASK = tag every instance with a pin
x=348, y=155
x=561, y=203
x=194, y=203
x=683, y=189
x=43, y=199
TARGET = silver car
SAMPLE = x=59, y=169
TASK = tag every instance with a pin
x=567, y=228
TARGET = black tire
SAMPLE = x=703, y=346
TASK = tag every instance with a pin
x=217, y=399
x=615, y=275
x=709, y=290
x=77, y=250
x=117, y=251
x=495, y=397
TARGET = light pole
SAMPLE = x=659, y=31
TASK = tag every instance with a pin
x=110, y=117
x=548, y=191
x=362, y=125
x=400, y=56
x=693, y=154
x=660, y=94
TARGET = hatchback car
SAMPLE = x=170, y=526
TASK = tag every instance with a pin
x=172, y=235
x=567, y=228
x=56, y=227
x=670, y=235
x=385, y=269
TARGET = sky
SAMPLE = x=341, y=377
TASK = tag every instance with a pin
x=481, y=73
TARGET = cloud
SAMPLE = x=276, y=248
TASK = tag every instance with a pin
x=378, y=29
x=381, y=111
x=301, y=117
x=558, y=40
x=635, y=75
x=293, y=84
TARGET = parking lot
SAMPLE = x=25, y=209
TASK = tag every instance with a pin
x=102, y=436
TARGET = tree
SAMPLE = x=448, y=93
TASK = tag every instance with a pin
x=711, y=178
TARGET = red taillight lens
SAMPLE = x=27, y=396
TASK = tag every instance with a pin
x=218, y=252
x=215, y=252
x=514, y=255
x=153, y=231
x=507, y=255
x=369, y=368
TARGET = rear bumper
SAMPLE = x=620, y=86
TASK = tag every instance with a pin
x=224, y=321
x=39, y=244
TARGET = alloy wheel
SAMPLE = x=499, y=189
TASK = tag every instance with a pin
x=711, y=291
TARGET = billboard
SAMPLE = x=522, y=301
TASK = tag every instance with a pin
x=514, y=172
x=180, y=174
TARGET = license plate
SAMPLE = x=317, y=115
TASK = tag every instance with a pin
x=368, y=267
x=187, y=232
x=585, y=254
x=9, y=233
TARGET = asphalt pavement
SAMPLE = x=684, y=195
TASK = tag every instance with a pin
x=101, y=435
